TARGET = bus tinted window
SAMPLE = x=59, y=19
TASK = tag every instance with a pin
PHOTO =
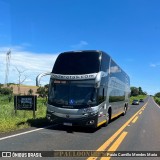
x=117, y=72
x=74, y=63
x=116, y=95
x=105, y=62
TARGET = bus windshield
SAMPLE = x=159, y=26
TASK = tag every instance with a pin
x=72, y=94
x=75, y=63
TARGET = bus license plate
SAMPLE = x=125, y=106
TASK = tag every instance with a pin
x=67, y=124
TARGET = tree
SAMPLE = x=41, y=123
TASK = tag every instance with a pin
x=145, y=93
x=30, y=92
x=46, y=89
x=137, y=91
x=157, y=95
x=1, y=85
x=134, y=91
x=43, y=92
x=140, y=91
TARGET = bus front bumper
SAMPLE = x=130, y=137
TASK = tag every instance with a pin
x=90, y=121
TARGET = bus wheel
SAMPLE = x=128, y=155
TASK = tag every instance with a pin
x=125, y=110
x=107, y=120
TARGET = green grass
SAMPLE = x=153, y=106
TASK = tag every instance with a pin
x=137, y=97
x=157, y=100
x=24, y=119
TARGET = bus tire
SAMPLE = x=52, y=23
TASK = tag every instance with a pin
x=107, y=121
x=108, y=118
x=124, y=111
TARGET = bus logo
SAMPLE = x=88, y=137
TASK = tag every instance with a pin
x=71, y=101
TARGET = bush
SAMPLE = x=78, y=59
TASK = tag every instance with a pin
x=157, y=100
x=6, y=91
x=157, y=95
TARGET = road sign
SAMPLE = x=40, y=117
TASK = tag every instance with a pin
x=25, y=103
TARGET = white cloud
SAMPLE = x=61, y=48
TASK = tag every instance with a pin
x=80, y=45
x=31, y=63
x=29, y=80
x=154, y=64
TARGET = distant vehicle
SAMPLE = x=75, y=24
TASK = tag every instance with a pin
x=141, y=100
x=135, y=102
x=87, y=88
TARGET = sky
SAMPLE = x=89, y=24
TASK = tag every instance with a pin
x=37, y=31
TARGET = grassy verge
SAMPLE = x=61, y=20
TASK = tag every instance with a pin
x=24, y=119
x=137, y=97
x=157, y=100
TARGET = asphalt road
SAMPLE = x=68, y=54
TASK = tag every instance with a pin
x=138, y=130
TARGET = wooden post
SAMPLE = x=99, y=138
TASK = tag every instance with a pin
x=15, y=105
x=34, y=108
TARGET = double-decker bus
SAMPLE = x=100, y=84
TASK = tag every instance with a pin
x=87, y=88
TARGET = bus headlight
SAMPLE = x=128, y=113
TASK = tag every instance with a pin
x=87, y=110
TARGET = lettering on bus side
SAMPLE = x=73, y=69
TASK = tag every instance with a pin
x=74, y=77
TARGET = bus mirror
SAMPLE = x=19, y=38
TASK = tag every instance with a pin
x=38, y=78
x=97, y=84
x=98, y=79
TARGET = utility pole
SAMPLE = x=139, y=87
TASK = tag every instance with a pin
x=8, y=57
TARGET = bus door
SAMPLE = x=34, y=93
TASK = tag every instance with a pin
x=102, y=105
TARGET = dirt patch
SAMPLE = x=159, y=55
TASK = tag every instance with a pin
x=24, y=89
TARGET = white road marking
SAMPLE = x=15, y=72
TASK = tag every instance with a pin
x=34, y=130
